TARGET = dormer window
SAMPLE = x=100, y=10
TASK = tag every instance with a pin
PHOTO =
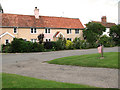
x=15, y=30
x=47, y=30
x=33, y=30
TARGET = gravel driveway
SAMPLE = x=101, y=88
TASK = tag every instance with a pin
x=31, y=64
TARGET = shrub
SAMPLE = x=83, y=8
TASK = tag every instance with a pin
x=37, y=47
x=60, y=44
x=6, y=48
x=49, y=45
x=69, y=44
x=19, y=45
x=80, y=44
x=106, y=41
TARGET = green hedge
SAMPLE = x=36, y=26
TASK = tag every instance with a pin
x=20, y=46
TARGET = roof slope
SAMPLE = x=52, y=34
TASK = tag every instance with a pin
x=105, y=24
x=43, y=21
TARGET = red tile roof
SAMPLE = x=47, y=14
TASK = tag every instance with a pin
x=11, y=20
x=105, y=24
x=57, y=33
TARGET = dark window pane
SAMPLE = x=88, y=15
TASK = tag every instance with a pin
x=48, y=30
x=15, y=30
x=45, y=30
x=67, y=31
x=34, y=30
x=31, y=30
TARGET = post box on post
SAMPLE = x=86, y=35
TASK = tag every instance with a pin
x=100, y=50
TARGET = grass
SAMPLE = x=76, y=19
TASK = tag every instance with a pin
x=91, y=60
x=17, y=81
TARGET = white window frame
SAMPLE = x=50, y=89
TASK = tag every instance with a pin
x=8, y=41
x=69, y=31
x=14, y=30
x=69, y=38
x=33, y=31
x=78, y=32
x=33, y=40
x=48, y=29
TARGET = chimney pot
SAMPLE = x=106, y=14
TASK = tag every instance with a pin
x=104, y=19
x=36, y=12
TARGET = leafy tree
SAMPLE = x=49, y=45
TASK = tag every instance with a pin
x=115, y=34
x=106, y=41
x=40, y=38
x=92, y=32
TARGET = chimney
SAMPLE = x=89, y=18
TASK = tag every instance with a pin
x=104, y=19
x=36, y=12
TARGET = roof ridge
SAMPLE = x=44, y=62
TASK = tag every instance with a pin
x=40, y=16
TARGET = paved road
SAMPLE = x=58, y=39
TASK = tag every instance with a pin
x=31, y=64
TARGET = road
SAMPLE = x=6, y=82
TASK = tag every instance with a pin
x=31, y=64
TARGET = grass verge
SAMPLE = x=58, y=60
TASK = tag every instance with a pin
x=17, y=81
x=91, y=60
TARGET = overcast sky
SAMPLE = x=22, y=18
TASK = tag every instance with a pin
x=85, y=10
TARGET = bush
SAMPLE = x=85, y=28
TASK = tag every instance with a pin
x=60, y=44
x=69, y=44
x=49, y=45
x=37, y=47
x=106, y=41
x=80, y=44
x=6, y=48
x=20, y=46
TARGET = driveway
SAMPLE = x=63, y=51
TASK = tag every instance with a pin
x=31, y=64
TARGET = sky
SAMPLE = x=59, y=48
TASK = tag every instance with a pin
x=85, y=10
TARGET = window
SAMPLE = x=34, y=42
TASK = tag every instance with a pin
x=33, y=30
x=33, y=40
x=15, y=30
x=69, y=31
x=6, y=41
x=47, y=30
x=25, y=39
x=76, y=31
x=48, y=40
x=69, y=39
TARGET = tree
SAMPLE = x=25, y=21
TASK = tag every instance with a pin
x=40, y=38
x=115, y=34
x=92, y=32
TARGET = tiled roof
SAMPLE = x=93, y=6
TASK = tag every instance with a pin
x=11, y=20
x=105, y=24
x=57, y=33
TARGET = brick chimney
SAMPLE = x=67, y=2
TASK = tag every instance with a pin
x=104, y=19
x=36, y=12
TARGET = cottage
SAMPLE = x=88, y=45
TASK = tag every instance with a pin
x=29, y=27
x=105, y=24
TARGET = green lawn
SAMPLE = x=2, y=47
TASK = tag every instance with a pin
x=91, y=60
x=17, y=81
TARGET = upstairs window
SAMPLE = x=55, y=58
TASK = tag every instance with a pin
x=69, y=31
x=76, y=31
x=33, y=30
x=47, y=30
x=15, y=30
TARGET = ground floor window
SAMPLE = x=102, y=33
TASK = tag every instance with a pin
x=33, y=40
x=48, y=40
x=69, y=39
x=6, y=41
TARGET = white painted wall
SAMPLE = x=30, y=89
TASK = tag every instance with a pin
x=107, y=32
